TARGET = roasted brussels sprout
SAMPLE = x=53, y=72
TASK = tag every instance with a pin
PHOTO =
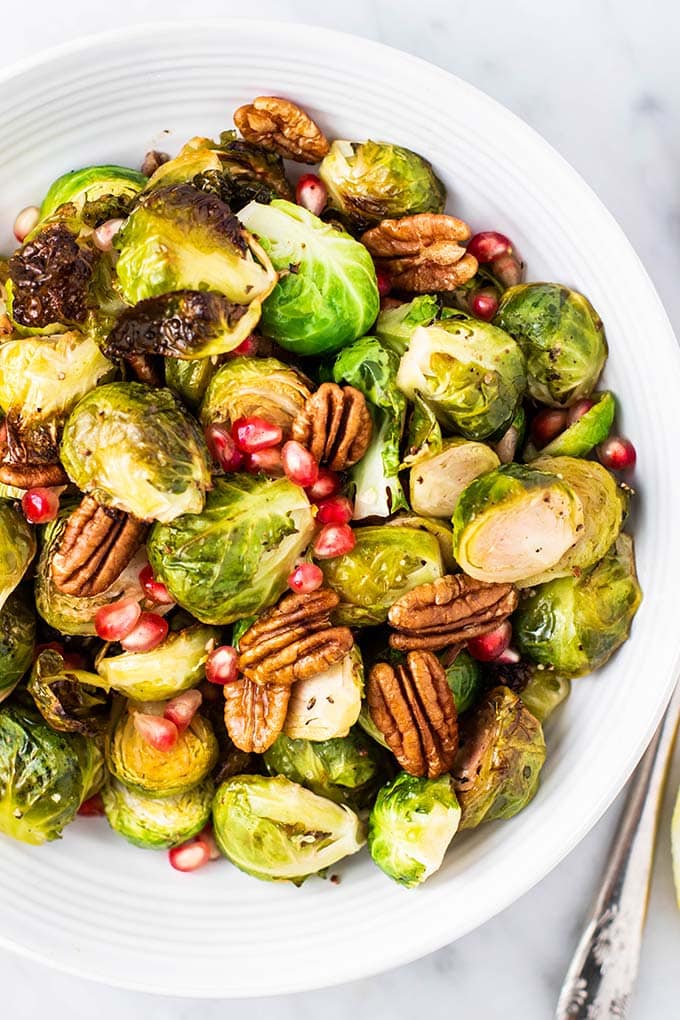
x=464, y=677
x=17, y=642
x=411, y=825
x=277, y=830
x=97, y=193
x=347, y=770
x=562, y=337
x=137, y=449
x=372, y=181
x=66, y=698
x=260, y=387
x=327, y=294
x=394, y=327
x=441, y=530
x=190, y=378
x=437, y=480
x=501, y=754
x=584, y=434
x=372, y=369
x=44, y=776
x=470, y=373
x=198, y=156
x=142, y=768
x=157, y=823
x=544, y=692
x=574, y=624
x=385, y=563
x=250, y=173
x=17, y=548
x=327, y=705
x=177, y=664
x=515, y=522
x=234, y=558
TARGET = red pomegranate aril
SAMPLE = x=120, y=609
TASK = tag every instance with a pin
x=183, y=708
x=507, y=269
x=384, y=281
x=254, y=434
x=510, y=657
x=190, y=856
x=489, y=245
x=298, y=464
x=268, y=461
x=92, y=807
x=547, y=424
x=484, y=303
x=617, y=454
x=325, y=486
x=488, y=647
x=148, y=633
x=245, y=349
x=154, y=590
x=578, y=409
x=336, y=510
x=222, y=665
x=311, y=193
x=223, y=448
x=334, y=540
x=40, y=505
x=26, y=220
x=103, y=236
x=157, y=731
x=306, y=577
x=114, y=622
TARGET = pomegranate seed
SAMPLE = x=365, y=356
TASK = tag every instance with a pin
x=326, y=485
x=510, y=657
x=578, y=409
x=92, y=806
x=268, y=461
x=183, y=708
x=223, y=448
x=222, y=665
x=148, y=633
x=617, y=454
x=547, y=424
x=190, y=856
x=488, y=647
x=336, y=510
x=26, y=220
x=489, y=245
x=306, y=577
x=40, y=505
x=334, y=540
x=246, y=348
x=255, y=434
x=153, y=589
x=311, y=193
x=116, y=621
x=103, y=236
x=155, y=730
x=209, y=837
x=298, y=464
x=507, y=269
x=484, y=303
x=384, y=281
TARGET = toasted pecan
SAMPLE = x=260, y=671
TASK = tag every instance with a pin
x=335, y=425
x=421, y=253
x=278, y=124
x=254, y=714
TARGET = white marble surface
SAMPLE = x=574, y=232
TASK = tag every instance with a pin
x=599, y=79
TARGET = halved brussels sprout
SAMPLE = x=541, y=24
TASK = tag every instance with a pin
x=97, y=193
x=385, y=563
x=189, y=378
x=17, y=548
x=394, y=327
x=157, y=823
x=470, y=373
x=347, y=770
x=515, y=522
x=574, y=624
x=372, y=181
x=437, y=480
x=234, y=558
x=177, y=664
x=137, y=449
x=584, y=434
x=562, y=338
x=502, y=751
x=17, y=642
x=440, y=529
x=263, y=387
x=67, y=699
x=545, y=691
x=141, y=767
x=369, y=727
x=464, y=677
x=248, y=173
x=424, y=433
x=327, y=294
x=327, y=705
x=44, y=776
x=278, y=831
x=197, y=156
x=411, y=825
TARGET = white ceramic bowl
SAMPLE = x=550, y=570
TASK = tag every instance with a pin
x=95, y=906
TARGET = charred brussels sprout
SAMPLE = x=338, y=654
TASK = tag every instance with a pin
x=372, y=181
x=177, y=664
x=142, y=768
x=545, y=691
x=328, y=704
x=234, y=558
x=17, y=642
x=137, y=449
x=196, y=157
x=395, y=326
x=250, y=173
x=44, y=776
x=189, y=379
x=464, y=677
x=515, y=522
x=260, y=387
x=562, y=337
x=278, y=831
x=501, y=754
x=470, y=373
x=437, y=480
x=327, y=294
x=66, y=698
x=97, y=193
x=157, y=823
x=385, y=563
x=411, y=825
x=17, y=548
x=583, y=435
x=575, y=624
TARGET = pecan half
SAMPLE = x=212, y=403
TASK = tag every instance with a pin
x=17, y=469
x=335, y=425
x=449, y=611
x=145, y=368
x=280, y=125
x=413, y=708
x=295, y=640
x=254, y=714
x=97, y=544
x=421, y=253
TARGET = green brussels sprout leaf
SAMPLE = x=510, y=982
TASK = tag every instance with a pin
x=17, y=548
x=464, y=677
x=437, y=480
x=98, y=193
x=157, y=823
x=67, y=699
x=260, y=387
x=394, y=327
x=544, y=692
x=17, y=641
